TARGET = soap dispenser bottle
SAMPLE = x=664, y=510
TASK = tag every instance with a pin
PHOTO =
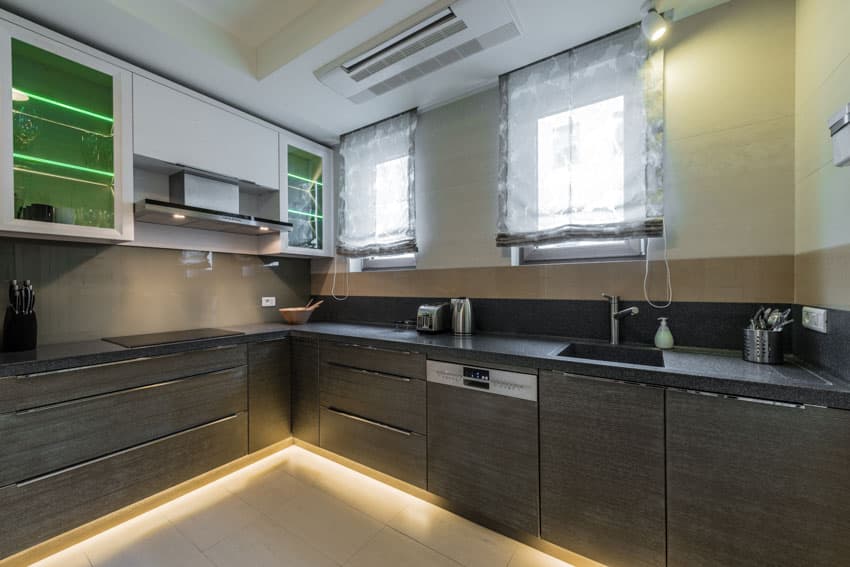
x=663, y=336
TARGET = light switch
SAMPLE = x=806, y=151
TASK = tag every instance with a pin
x=814, y=319
x=268, y=302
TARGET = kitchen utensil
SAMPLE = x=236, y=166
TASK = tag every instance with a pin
x=773, y=318
x=316, y=305
x=781, y=326
x=763, y=347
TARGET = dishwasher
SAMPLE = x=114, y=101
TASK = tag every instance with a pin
x=483, y=443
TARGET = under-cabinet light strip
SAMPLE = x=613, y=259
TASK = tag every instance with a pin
x=66, y=106
x=292, y=175
x=64, y=177
x=312, y=215
x=62, y=164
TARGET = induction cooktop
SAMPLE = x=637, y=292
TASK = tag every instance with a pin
x=153, y=339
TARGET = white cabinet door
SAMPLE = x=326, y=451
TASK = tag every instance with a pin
x=307, y=196
x=177, y=128
x=65, y=141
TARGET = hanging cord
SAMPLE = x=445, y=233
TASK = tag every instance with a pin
x=347, y=282
x=669, y=295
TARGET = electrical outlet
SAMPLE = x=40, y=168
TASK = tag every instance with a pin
x=814, y=319
x=268, y=302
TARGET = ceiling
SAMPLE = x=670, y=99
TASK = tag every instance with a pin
x=259, y=55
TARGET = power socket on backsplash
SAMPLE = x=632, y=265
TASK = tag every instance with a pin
x=814, y=319
x=268, y=301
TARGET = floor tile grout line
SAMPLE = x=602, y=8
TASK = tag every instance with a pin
x=425, y=545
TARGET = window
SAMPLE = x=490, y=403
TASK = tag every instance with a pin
x=376, y=194
x=581, y=143
x=582, y=250
x=395, y=262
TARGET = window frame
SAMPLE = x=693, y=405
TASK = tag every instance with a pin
x=598, y=251
x=387, y=263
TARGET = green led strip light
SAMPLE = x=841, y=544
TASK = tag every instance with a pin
x=66, y=106
x=61, y=164
x=312, y=215
x=292, y=175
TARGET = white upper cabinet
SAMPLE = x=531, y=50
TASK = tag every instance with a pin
x=65, y=141
x=177, y=128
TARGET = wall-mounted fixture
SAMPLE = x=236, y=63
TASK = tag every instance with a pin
x=839, y=129
x=653, y=24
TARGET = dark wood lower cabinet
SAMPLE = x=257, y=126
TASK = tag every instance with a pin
x=36, y=510
x=602, y=469
x=305, y=389
x=268, y=393
x=756, y=485
x=393, y=451
x=483, y=456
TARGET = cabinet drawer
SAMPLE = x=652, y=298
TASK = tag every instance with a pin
x=38, y=441
x=390, y=361
x=33, y=390
x=397, y=452
x=34, y=511
x=386, y=398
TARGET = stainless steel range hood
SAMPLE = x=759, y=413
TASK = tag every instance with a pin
x=205, y=201
x=173, y=214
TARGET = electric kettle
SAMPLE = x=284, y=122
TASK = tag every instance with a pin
x=461, y=316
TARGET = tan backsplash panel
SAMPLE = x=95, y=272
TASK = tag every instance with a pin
x=89, y=291
x=768, y=279
x=823, y=278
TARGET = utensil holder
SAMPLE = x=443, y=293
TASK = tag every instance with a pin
x=763, y=347
x=20, y=331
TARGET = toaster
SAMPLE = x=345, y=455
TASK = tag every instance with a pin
x=434, y=318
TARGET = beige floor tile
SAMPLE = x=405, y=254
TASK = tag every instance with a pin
x=380, y=501
x=144, y=545
x=74, y=557
x=266, y=544
x=529, y=557
x=336, y=528
x=207, y=520
x=393, y=549
x=453, y=536
x=270, y=488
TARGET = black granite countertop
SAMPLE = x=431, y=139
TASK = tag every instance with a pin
x=721, y=372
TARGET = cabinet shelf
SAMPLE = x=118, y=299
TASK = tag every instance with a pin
x=44, y=161
x=63, y=105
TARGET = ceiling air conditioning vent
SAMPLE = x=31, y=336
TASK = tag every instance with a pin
x=443, y=33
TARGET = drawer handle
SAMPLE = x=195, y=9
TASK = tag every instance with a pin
x=371, y=372
x=122, y=362
x=379, y=349
x=370, y=422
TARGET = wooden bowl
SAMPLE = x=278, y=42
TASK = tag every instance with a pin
x=296, y=315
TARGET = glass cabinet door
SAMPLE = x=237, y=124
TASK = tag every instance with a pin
x=305, y=189
x=66, y=140
x=62, y=134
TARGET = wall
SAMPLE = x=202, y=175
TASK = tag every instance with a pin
x=87, y=291
x=729, y=180
x=822, y=190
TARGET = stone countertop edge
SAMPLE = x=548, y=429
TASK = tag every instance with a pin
x=720, y=373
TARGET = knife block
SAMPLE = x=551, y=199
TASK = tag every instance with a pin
x=20, y=331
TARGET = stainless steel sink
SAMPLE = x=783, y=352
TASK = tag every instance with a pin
x=615, y=353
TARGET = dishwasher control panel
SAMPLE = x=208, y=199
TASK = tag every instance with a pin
x=489, y=380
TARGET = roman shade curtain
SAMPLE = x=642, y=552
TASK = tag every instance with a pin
x=377, y=209
x=581, y=144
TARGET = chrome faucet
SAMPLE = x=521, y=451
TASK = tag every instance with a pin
x=616, y=315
